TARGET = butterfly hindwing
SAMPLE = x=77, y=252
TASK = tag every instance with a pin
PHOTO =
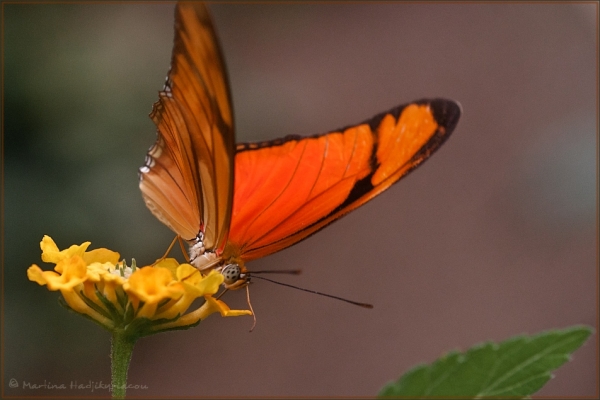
x=288, y=189
x=187, y=181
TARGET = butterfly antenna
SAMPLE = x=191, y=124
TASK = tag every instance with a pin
x=365, y=305
x=250, y=305
x=274, y=271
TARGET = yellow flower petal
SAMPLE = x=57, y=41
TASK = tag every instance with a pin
x=97, y=271
x=104, y=272
x=197, y=284
x=51, y=253
x=236, y=313
x=213, y=305
x=73, y=273
x=35, y=274
x=152, y=285
x=49, y=249
x=169, y=263
x=101, y=256
x=188, y=273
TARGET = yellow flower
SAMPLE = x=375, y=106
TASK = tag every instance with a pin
x=136, y=301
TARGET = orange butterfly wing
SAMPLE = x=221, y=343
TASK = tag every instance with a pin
x=187, y=180
x=285, y=190
x=288, y=189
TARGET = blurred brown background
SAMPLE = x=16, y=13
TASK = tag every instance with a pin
x=494, y=236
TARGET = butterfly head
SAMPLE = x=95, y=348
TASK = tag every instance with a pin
x=235, y=276
x=233, y=271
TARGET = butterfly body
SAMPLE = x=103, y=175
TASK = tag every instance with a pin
x=236, y=203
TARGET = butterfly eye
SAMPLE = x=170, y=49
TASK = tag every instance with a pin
x=231, y=273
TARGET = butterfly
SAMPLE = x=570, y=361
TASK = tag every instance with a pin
x=234, y=203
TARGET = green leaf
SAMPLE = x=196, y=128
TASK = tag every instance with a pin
x=517, y=367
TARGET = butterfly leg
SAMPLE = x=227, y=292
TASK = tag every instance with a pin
x=168, y=250
x=181, y=246
x=250, y=306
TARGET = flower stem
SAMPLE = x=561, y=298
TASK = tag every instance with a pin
x=121, y=349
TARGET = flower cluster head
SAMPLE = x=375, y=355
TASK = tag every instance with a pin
x=135, y=301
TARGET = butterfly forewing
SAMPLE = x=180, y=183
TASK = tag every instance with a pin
x=187, y=181
x=288, y=189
